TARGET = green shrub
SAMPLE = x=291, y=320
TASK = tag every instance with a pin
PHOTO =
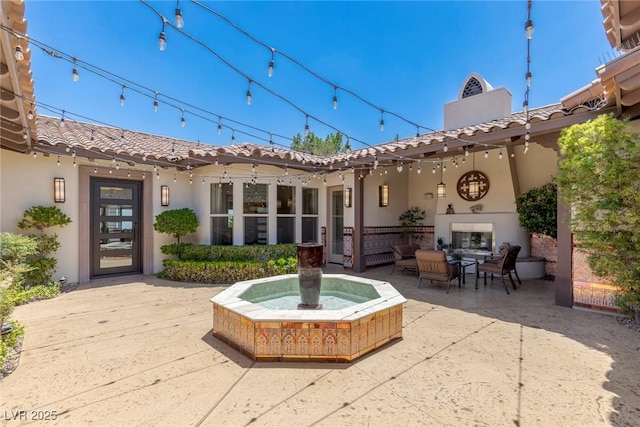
x=224, y=272
x=15, y=248
x=9, y=342
x=537, y=210
x=262, y=253
x=34, y=293
x=40, y=218
x=176, y=222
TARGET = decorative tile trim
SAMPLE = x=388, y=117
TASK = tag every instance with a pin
x=594, y=295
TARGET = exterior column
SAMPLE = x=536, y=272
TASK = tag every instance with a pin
x=564, y=273
x=359, y=262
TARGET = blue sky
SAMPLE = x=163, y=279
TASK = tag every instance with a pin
x=407, y=57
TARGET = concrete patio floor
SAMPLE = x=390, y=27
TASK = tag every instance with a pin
x=138, y=351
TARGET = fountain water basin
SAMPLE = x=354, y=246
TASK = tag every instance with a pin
x=260, y=318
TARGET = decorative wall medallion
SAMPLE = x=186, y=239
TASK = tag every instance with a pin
x=464, y=187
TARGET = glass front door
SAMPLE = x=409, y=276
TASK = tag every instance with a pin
x=115, y=227
x=336, y=225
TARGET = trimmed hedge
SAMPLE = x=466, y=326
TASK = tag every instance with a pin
x=224, y=272
x=260, y=253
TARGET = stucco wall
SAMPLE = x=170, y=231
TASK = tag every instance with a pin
x=28, y=182
x=537, y=167
x=374, y=215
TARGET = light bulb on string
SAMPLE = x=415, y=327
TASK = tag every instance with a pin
x=335, y=97
x=375, y=161
x=30, y=114
x=445, y=148
x=162, y=39
x=528, y=78
x=74, y=74
x=528, y=28
x=155, y=103
x=233, y=137
x=433, y=170
x=62, y=119
x=19, y=53
x=95, y=169
x=25, y=135
x=35, y=154
x=272, y=64
x=183, y=122
x=306, y=126
x=129, y=173
x=179, y=18
x=219, y=125
x=58, y=160
x=174, y=178
x=466, y=151
x=381, y=120
x=249, y=93
x=486, y=154
x=122, y=97
x=500, y=154
x=92, y=137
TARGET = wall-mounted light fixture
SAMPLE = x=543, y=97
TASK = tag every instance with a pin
x=58, y=190
x=442, y=187
x=383, y=195
x=347, y=197
x=164, y=195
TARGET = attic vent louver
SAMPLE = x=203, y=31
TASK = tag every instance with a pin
x=473, y=87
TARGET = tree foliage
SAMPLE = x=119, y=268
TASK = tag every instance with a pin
x=537, y=209
x=43, y=265
x=412, y=218
x=313, y=144
x=598, y=177
x=176, y=222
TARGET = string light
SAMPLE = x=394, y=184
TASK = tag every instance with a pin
x=528, y=27
x=183, y=122
x=233, y=136
x=155, y=103
x=445, y=148
x=162, y=39
x=122, y=97
x=62, y=119
x=500, y=154
x=272, y=64
x=35, y=154
x=249, y=93
x=30, y=114
x=74, y=74
x=306, y=126
x=486, y=154
x=335, y=97
x=19, y=54
x=381, y=120
x=179, y=19
x=58, y=160
x=219, y=125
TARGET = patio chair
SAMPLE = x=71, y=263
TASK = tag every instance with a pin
x=405, y=257
x=502, y=265
x=433, y=265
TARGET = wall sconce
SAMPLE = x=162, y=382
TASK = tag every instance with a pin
x=442, y=187
x=383, y=195
x=164, y=195
x=347, y=197
x=58, y=190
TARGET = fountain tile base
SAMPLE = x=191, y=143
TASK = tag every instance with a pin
x=308, y=335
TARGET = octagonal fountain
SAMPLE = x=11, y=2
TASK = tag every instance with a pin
x=265, y=319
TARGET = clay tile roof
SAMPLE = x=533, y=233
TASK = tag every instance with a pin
x=16, y=81
x=91, y=140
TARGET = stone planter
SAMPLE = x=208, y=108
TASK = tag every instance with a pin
x=309, y=275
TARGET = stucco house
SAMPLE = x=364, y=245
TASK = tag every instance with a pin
x=116, y=181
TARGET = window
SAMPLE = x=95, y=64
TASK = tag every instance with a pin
x=222, y=214
x=286, y=208
x=255, y=205
x=309, y=215
x=473, y=87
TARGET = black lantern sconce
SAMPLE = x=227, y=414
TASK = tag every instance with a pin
x=383, y=195
x=164, y=195
x=58, y=190
x=347, y=197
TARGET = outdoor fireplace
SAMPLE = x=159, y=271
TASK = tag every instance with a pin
x=472, y=237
